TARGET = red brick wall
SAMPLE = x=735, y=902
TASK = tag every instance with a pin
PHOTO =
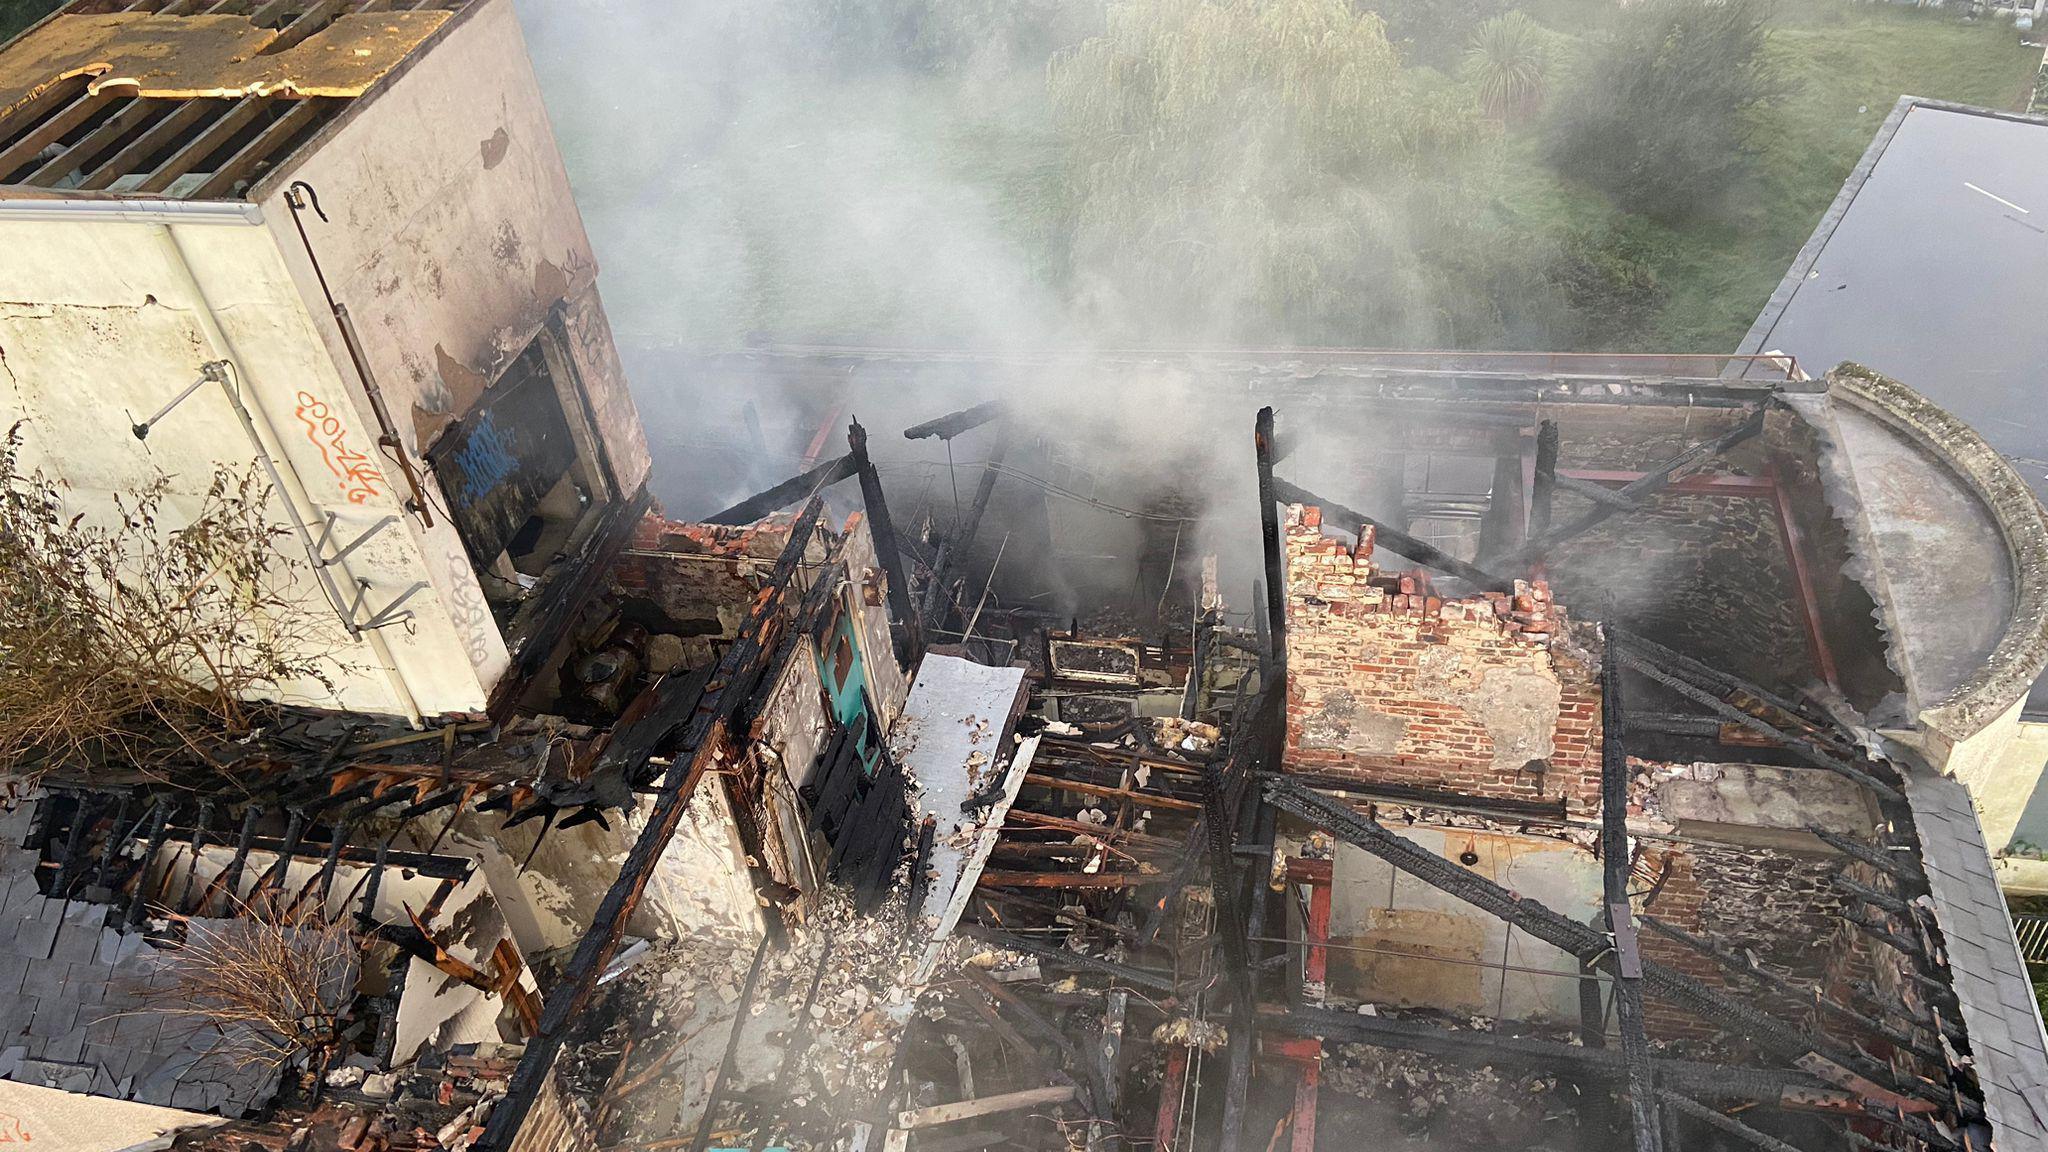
x=1389, y=682
x=671, y=565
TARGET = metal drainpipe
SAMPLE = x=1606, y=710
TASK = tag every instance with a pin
x=270, y=448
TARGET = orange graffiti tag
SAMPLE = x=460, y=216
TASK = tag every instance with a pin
x=358, y=476
x=11, y=1131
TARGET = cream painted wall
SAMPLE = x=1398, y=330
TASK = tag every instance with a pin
x=452, y=233
x=100, y=325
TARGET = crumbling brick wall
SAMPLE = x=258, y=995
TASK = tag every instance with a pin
x=703, y=578
x=1774, y=905
x=1389, y=682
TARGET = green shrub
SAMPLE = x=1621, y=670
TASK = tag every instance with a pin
x=1660, y=117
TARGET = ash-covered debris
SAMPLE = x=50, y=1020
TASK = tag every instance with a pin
x=1455, y=1105
x=817, y=1039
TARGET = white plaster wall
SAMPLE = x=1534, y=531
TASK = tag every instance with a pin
x=99, y=328
x=452, y=232
x=888, y=684
x=1377, y=907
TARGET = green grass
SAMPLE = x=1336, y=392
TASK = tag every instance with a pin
x=1846, y=64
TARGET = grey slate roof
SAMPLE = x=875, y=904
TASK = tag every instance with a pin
x=2007, y=1043
x=74, y=1005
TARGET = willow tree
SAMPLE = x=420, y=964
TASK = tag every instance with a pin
x=1248, y=170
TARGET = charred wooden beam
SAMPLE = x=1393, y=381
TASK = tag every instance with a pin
x=159, y=821
x=1543, y=486
x=741, y=1013
x=1587, y=943
x=955, y=550
x=1394, y=540
x=1152, y=799
x=995, y=878
x=735, y=680
x=799, y=487
x=1646, y=485
x=1726, y=684
x=1715, y=1081
x=1724, y=1122
x=954, y=423
x=911, y=642
x=1065, y=958
x=1218, y=822
x=230, y=879
x=1881, y=861
x=1617, y=862
x=1799, y=745
x=1274, y=634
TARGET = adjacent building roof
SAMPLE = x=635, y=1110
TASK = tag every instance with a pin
x=1927, y=268
x=2008, y=1049
x=190, y=100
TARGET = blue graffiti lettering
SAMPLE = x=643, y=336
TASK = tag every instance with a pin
x=485, y=460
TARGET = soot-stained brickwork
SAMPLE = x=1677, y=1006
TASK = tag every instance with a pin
x=1774, y=905
x=1705, y=574
x=1389, y=682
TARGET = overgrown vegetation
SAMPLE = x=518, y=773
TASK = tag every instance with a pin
x=136, y=642
x=270, y=986
x=1661, y=118
x=1569, y=174
x=1509, y=60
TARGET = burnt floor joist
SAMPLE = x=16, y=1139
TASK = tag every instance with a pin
x=695, y=736
x=1834, y=1061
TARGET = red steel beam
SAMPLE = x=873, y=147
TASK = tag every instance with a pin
x=1802, y=575
x=1318, y=875
x=1167, y=1126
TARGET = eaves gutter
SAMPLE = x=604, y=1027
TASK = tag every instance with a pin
x=130, y=211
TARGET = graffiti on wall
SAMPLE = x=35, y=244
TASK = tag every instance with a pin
x=470, y=613
x=355, y=472
x=485, y=459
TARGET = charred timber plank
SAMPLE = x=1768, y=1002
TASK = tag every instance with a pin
x=962, y=544
x=954, y=423
x=1095, y=832
x=735, y=680
x=1617, y=860
x=1123, y=973
x=1393, y=539
x=1153, y=799
x=1589, y=944
x=1798, y=745
x=786, y=493
x=1648, y=484
x=986, y=1106
x=1724, y=1122
x=1002, y=879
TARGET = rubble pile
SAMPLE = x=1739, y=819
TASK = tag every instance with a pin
x=1476, y=1105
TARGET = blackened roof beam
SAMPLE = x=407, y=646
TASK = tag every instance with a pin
x=954, y=423
x=1647, y=484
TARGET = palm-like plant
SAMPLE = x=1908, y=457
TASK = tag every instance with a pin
x=1507, y=54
